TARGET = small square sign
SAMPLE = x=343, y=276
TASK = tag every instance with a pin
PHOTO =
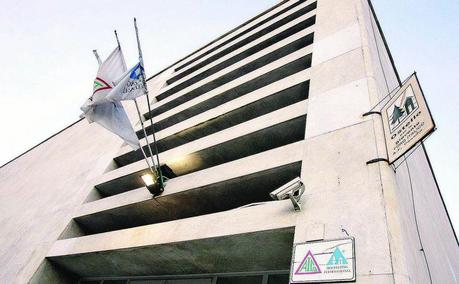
x=323, y=261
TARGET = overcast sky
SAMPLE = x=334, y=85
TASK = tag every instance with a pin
x=48, y=66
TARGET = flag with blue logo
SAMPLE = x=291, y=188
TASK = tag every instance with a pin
x=129, y=86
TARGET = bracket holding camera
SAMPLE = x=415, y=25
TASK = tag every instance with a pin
x=292, y=190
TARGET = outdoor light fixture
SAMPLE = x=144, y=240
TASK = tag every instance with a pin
x=148, y=179
x=293, y=190
x=152, y=183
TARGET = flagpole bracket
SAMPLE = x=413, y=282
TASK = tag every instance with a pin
x=377, y=160
x=371, y=112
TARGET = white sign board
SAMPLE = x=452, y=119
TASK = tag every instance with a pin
x=406, y=119
x=323, y=261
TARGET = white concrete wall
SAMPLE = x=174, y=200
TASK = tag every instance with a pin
x=429, y=238
x=40, y=191
x=343, y=192
x=351, y=73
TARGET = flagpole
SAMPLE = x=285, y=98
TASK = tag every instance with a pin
x=97, y=56
x=146, y=159
x=142, y=71
x=145, y=134
x=141, y=122
x=117, y=40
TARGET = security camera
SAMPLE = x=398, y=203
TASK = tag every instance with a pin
x=292, y=190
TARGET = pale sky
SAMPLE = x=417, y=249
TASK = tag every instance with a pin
x=48, y=66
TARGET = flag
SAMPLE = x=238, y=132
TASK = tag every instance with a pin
x=129, y=86
x=108, y=114
x=109, y=72
x=113, y=117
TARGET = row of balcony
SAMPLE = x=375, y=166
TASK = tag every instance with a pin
x=230, y=127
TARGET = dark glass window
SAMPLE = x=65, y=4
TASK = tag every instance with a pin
x=278, y=279
x=240, y=280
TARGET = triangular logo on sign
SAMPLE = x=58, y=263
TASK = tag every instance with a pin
x=337, y=258
x=99, y=85
x=309, y=265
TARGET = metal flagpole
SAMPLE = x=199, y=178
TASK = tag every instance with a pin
x=142, y=71
x=97, y=56
x=146, y=159
x=141, y=122
x=117, y=40
x=145, y=134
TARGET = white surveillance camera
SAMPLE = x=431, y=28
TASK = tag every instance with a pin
x=293, y=190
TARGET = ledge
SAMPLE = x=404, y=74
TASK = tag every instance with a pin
x=245, y=54
x=225, y=107
x=232, y=189
x=248, y=34
x=228, y=86
x=181, y=246
x=211, y=150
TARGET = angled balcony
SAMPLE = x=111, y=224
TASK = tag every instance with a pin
x=263, y=133
x=227, y=186
x=229, y=75
x=182, y=246
x=265, y=42
x=262, y=77
x=283, y=17
x=219, y=119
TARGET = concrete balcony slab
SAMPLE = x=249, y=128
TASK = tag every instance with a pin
x=251, y=51
x=266, y=132
x=258, y=85
x=237, y=85
x=235, y=34
x=293, y=11
x=218, y=121
x=230, y=74
x=259, y=162
x=222, y=107
x=137, y=207
x=248, y=239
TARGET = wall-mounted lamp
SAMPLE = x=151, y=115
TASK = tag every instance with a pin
x=152, y=183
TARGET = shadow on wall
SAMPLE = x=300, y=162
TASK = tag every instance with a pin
x=49, y=272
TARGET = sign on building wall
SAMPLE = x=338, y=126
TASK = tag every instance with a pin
x=406, y=119
x=323, y=261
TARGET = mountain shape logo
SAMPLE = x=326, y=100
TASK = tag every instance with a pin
x=309, y=265
x=337, y=258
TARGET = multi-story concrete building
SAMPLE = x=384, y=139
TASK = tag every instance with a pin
x=280, y=96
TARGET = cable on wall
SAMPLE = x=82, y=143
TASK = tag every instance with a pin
x=416, y=221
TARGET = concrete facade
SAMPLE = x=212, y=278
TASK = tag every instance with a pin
x=278, y=97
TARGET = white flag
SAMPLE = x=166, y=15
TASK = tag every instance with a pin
x=108, y=114
x=113, y=117
x=129, y=86
x=109, y=72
